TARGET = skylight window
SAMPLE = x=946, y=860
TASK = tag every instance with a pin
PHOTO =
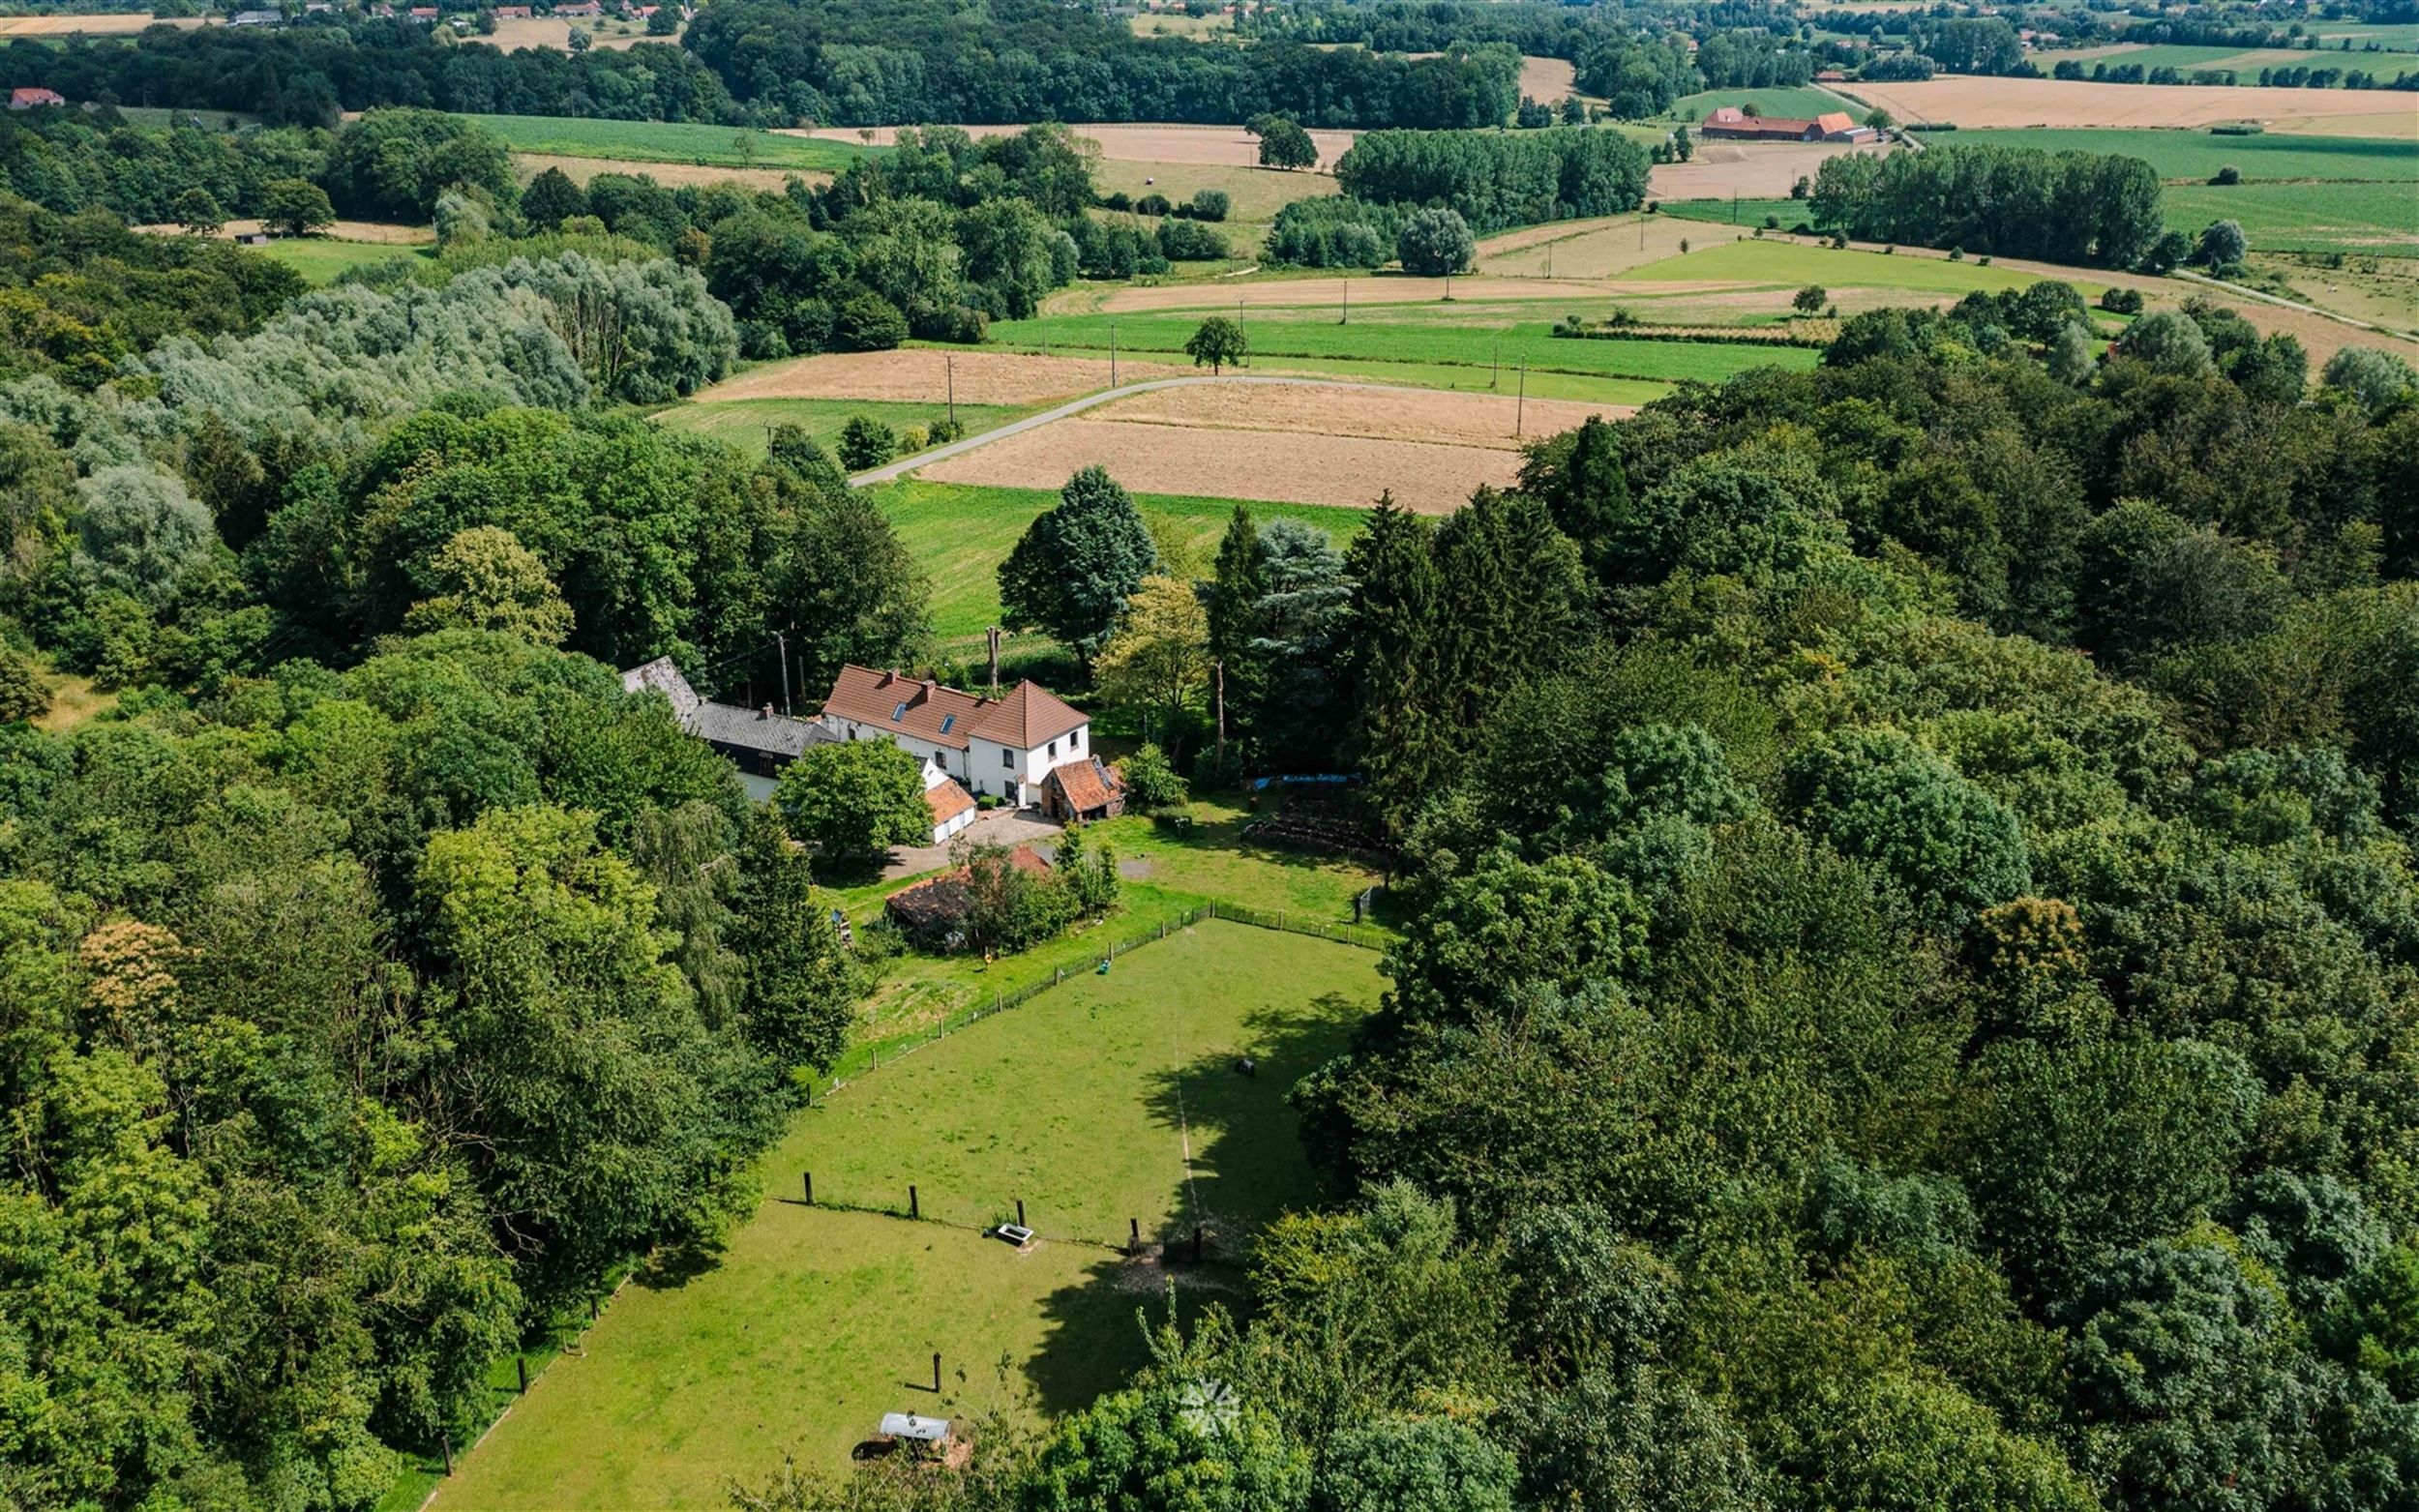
x=948, y=720
x=898, y=712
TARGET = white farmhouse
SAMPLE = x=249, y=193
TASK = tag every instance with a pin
x=1026, y=747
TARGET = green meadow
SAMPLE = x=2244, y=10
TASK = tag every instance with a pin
x=2199, y=155
x=1781, y=263
x=671, y=141
x=321, y=259
x=2320, y=217
x=747, y=423
x=1804, y=102
x=1108, y=1102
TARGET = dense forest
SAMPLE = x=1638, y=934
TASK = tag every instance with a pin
x=1911, y=963
x=780, y=62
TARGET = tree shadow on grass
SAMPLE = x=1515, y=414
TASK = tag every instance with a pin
x=1247, y=1168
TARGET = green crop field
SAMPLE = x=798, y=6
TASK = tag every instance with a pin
x=2199, y=155
x=2345, y=218
x=1783, y=264
x=664, y=141
x=1749, y=213
x=1112, y=1098
x=1433, y=336
x=1802, y=102
x=961, y=535
x=323, y=260
x=2389, y=35
x=744, y=422
x=2168, y=55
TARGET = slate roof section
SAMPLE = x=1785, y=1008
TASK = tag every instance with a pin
x=724, y=723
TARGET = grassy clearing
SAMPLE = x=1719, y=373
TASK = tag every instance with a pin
x=1791, y=263
x=1803, y=103
x=2345, y=218
x=744, y=422
x=76, y=701
x=1440, y=340
x=962, y=534
x=1084, y=1102
x=1748, y=213
x=323, y=260
x=2198, y=156
x=667, y=141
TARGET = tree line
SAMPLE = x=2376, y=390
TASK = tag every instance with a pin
x=2070, y=207
x=1494, y=180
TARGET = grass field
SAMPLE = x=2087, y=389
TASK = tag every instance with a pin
x=743, y=423
x=1749, y=213
x=961, y=535
x=663, y=141
x=1793, y=263
x=1111, y=1099
x=2389, y=35
x=1802, y=102
x=2199, y=155
x=323, y=261
x=2166, y=56
x=1433, y=337
x=2345, y=218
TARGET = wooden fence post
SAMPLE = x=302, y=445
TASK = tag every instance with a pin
x=1133, y=1236
x=1020, y=1212
x=916, y=1208
x=445, y=1441
x=808, y=1177
x=936, y=1375
x=520, y=1363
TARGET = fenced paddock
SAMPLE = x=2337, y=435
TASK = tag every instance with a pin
x=1106, y=1102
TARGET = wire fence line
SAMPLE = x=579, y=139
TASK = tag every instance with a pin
x=862, y=1058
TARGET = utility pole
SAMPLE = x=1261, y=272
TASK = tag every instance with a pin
x=949, y=361
x=1520, y=405
x=1549, y=259
x=1219, y=667
x=1495, y=378
x=1113, y=354
x=783, y=645
x=1348, y=301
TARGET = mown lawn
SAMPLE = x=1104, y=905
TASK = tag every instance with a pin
x=961, y=534
x=1085, y=1103
x=1397, y=335
x=323, y=260
x=1749, y=213
x=1803, y=103
x=1783, y=264
x=671, y=141
x=2198, y=156
x=745, y=423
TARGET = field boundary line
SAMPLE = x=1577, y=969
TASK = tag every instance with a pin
x=893, y=471
x=2289, y=304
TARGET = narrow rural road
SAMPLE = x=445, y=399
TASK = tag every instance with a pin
x=892, y=471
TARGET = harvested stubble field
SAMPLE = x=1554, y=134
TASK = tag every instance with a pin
x=921, y=375
x=545, y=32
x=1366, y=411
x=1227, y=146
x=1721, y=169
x=1548, y=80
x=671, y=175
x=1111, y=1098
x=1976, y=101
x=1286, y=467
x=119, y=24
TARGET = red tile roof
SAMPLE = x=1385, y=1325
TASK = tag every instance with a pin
x=36, y=97
x=947, y=800
x=1086, y=785
x=1026, y=717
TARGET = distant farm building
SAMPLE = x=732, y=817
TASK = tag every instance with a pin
x=1730, y=123
x=32, y=98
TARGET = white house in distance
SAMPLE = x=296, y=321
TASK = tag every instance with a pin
x=1026, y=747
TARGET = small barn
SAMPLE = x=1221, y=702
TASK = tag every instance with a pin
x=1079, y=791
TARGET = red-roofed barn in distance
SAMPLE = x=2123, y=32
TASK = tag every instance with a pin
x=29, y=98
x=1024, y=747
x=1730, y=123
